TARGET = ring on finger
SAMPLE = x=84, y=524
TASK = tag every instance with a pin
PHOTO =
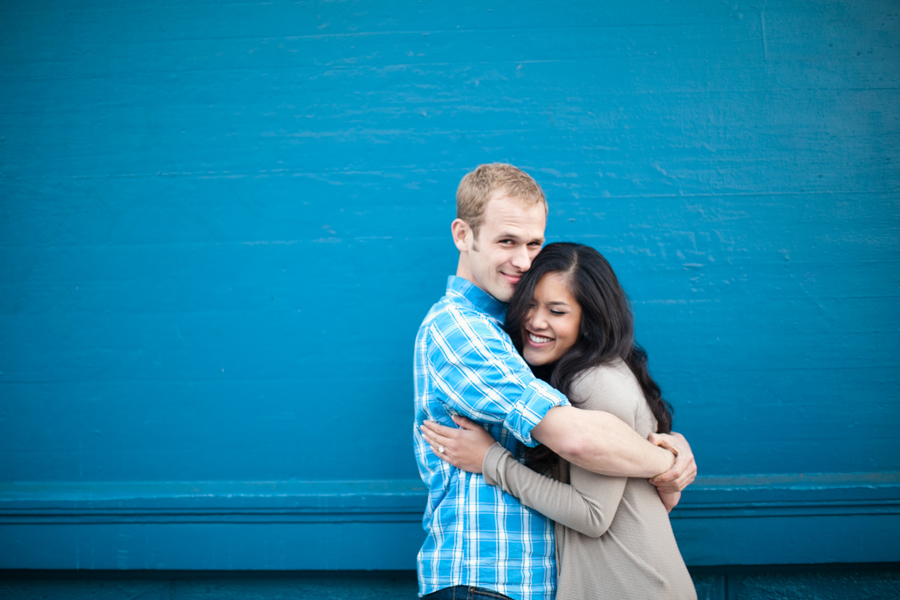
x=441, y=449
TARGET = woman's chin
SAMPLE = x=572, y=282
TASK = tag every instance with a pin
x=534, y=361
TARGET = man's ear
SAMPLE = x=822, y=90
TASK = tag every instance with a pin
x=462, y=235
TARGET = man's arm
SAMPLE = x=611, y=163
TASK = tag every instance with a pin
x=595, y=440
x=600, y=442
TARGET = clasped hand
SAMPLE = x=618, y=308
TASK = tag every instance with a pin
x=463, y=448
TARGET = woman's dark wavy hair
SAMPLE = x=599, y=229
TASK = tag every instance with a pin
x=607, y=329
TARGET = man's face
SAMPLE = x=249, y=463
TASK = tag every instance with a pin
x=511, y=235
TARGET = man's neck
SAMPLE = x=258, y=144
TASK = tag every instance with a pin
x=463, y=270
x=462, y=267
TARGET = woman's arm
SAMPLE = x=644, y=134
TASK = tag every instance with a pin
x=587, y=505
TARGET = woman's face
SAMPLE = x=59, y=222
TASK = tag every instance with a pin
x=552, y=324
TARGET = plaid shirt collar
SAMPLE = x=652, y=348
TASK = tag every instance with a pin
x=478, y=298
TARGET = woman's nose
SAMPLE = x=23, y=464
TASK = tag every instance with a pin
x=536, y=320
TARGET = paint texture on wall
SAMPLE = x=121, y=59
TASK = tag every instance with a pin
x=221, y=224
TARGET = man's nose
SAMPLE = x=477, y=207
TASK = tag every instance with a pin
x=521, y=258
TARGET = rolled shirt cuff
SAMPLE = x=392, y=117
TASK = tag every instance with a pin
x=530, y=408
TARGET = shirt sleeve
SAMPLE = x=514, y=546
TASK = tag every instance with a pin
x=480, y=375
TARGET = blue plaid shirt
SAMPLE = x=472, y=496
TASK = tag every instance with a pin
x=478, y=535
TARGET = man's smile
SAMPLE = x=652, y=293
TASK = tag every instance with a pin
x=513, y=279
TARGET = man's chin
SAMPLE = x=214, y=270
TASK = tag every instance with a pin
x=504, y=293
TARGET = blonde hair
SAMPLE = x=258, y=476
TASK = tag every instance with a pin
x=477, y=187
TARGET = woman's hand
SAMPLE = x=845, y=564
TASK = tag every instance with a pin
x=463, y=448
x=669, y=499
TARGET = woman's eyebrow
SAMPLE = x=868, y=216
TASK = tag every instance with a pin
x=558, y=303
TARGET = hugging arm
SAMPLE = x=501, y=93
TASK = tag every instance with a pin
x=600, y=442
x=594, y=440
x=588, y=506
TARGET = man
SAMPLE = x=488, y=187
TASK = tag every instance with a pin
x=465, y=364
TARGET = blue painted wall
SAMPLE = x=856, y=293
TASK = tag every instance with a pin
x=221, y=223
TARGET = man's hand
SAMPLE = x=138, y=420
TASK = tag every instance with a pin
x=463, y=448
x=683, y=471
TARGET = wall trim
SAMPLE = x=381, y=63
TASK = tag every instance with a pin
x=210, y=502
x=289, y=525
x=404, y=500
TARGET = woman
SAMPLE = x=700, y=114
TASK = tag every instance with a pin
x=572, y=322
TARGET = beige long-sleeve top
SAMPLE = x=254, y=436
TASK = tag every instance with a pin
x=613, y=536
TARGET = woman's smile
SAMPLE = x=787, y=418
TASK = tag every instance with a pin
x=537, y=340
x=553, y=323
